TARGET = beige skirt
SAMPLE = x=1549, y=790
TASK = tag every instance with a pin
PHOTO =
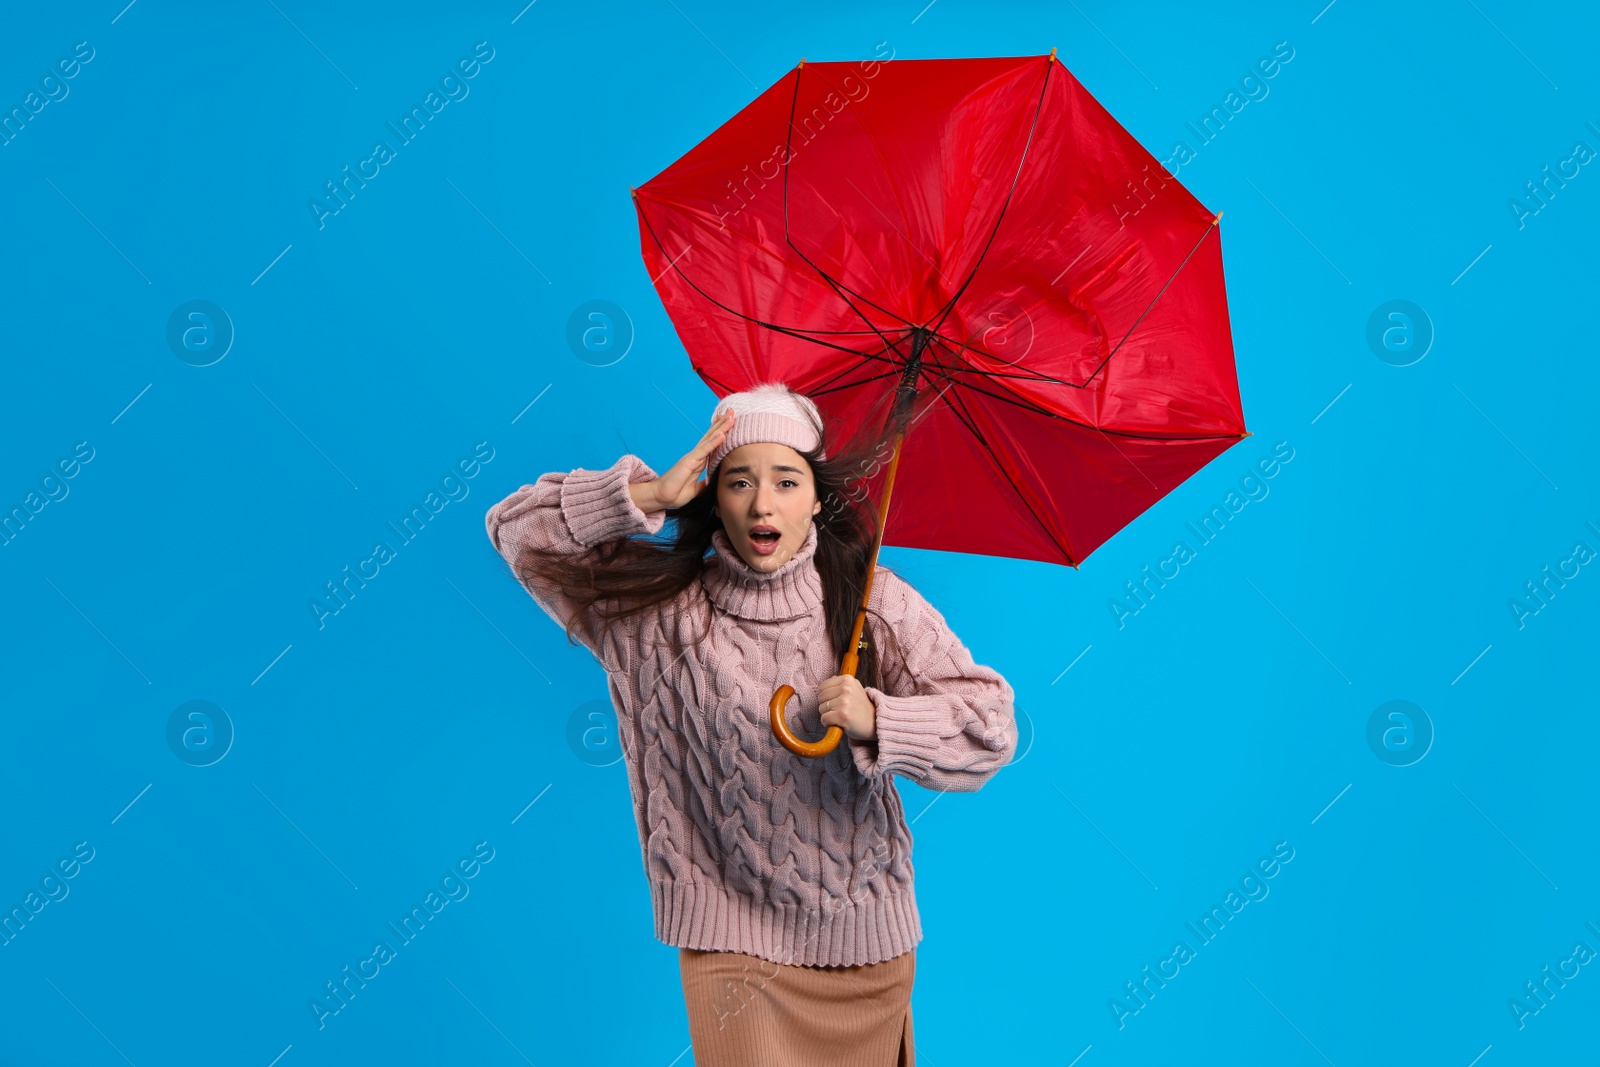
x=745, y=1011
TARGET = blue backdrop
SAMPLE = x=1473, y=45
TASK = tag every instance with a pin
x=1342, y=753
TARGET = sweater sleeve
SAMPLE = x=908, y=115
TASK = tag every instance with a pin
x=945, y=721
x=570, y=512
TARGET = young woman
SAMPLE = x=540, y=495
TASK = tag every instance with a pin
x=784, y=881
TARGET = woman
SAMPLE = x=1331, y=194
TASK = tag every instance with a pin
x=785, y=882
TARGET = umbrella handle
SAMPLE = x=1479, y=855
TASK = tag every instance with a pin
x=799, y=747
x=830, y=740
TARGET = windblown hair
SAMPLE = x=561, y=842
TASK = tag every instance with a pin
x=628, y=575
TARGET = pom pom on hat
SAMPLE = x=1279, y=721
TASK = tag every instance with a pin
x=770, y=411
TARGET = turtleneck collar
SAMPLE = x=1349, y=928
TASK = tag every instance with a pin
x=794, y=589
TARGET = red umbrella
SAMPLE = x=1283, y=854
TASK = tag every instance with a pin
x=974, y=259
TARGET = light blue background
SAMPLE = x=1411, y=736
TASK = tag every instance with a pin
x=371, y=754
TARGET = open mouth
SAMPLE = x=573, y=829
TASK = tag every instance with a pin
x=765, y=539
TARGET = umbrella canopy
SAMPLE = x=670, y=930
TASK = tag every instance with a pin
x=981, y=230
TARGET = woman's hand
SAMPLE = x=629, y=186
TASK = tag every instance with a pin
x=680, y=484
x=844, y=703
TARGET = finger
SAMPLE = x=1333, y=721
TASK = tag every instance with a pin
x=702, y=452
x=718, y=430
x=709, y=439
x=720, y=425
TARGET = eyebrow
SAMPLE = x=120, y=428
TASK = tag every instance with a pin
x=746, y=469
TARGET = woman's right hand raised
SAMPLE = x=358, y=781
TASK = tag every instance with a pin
x=679, y=484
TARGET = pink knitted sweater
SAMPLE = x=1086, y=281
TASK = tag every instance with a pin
x=746, y=846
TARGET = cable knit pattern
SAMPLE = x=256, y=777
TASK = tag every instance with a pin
x=746, y=846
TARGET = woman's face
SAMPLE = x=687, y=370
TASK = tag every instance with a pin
x=766, y=488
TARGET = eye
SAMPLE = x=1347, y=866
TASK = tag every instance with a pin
x=790, y=481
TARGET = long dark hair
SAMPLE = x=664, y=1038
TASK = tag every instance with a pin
x=628, y=575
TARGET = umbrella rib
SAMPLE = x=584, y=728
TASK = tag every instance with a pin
x=790, y=330
x=1139, y=470
x=838, y=287
x=1035, y=409
x=700, y=214
x=1038, y=109
x=726, y=388
x=895, y=373
x=972, y=428
x=1092, y=375
x=1209, y=228
x=1102, y=364
x=1032, y=376
x=894, y=369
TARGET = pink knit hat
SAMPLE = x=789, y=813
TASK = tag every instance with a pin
x=767, y=412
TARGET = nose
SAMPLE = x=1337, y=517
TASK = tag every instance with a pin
x=761, y=501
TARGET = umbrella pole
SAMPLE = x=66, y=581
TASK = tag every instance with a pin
x=905, y=396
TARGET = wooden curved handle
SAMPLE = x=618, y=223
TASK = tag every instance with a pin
x=799, y=747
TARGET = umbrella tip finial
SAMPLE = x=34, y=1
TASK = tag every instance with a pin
x=633, y=192
x=1217, y=219
x=802, y=61
x=1052, y=52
